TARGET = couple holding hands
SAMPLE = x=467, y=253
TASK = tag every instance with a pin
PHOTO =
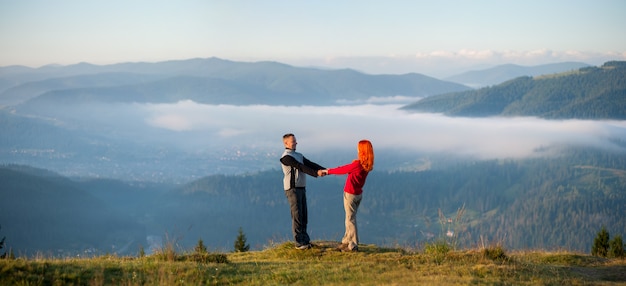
x=295, y=168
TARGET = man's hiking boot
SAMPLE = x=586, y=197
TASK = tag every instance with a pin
x=304, y=246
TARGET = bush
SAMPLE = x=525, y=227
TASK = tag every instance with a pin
x=494, y=253
x=437, y=250
x=205, y=258
x=438, y=247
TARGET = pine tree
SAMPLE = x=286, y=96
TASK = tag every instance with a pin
x=200, y=248
x=240, y=243
x=601, y=244
x=617, y=247
x=4, y=255
x=142, y=252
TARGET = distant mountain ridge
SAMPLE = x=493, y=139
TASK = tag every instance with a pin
x=502, y=73
x=588, y=93
x=213, y=81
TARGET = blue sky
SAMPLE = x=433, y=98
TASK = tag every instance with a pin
x=373, y=36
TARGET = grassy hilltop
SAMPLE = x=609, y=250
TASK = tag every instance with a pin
x=281, y=264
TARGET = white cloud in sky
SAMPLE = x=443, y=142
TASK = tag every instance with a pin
x=340, y=127
x=520, y=57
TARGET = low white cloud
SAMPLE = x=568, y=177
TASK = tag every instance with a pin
x=476, y=55
x=340, y=127
x=398, y=99
x=230, y=132
x=174, y=122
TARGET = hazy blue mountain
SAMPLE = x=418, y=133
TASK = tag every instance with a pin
x=23, y=92
x=588, y=93
x=212, y=81
x=35, y=133
x=502, y=73
x=323, y=89
x=12, y=76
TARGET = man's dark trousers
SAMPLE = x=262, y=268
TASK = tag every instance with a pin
x=299, y=215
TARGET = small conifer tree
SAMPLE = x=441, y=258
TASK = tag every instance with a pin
x=142, y=252
x=200, y=248
x=617, y=247
x=4, y=255
x=601, y=243
x=240, y=242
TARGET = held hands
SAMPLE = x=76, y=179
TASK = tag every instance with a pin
x=322, y=172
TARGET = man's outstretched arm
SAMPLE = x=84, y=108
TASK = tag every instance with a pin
x=292, y=162
x=312, y=164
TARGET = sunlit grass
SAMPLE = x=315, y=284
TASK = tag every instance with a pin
x=282, y=264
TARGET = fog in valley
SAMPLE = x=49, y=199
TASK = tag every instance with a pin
x=256, y=130
x=175, y=148
x=327, y=128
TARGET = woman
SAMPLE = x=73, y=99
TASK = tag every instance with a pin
x=357, y=173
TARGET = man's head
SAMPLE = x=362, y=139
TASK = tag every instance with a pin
x=290, y=141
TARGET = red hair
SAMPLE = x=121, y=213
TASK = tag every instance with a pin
x=366, y=154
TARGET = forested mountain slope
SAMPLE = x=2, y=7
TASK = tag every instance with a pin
x=589, y=93
x=44, y=213
x=556, y=202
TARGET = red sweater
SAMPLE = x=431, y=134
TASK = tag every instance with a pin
x=356, y=176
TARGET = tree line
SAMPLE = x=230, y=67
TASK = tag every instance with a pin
x=556, y=202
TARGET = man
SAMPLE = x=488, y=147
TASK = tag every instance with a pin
x=295, y=166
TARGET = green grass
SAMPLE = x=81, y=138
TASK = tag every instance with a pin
x=281, y=264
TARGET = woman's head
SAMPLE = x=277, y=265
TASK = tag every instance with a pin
x=366, y=154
